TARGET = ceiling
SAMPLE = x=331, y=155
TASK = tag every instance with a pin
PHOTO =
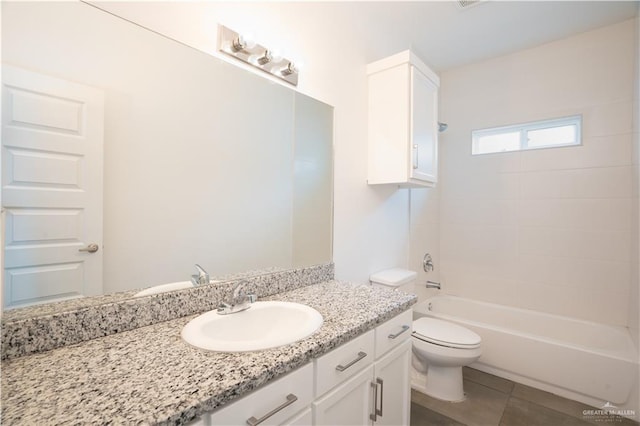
x=450, y=36
x=438, y=30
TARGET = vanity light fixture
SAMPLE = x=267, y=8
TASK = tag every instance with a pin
x=245, y=49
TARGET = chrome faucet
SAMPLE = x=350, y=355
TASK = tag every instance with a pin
x=202, y=277
x=433, y=284
x=240, y=300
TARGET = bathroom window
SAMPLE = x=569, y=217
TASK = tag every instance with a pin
x=535, y=135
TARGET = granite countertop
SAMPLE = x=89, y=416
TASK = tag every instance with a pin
x=150, y=375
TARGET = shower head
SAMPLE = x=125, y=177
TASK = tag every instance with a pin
x=442, y=127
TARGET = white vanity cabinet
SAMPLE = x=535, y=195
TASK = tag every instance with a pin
x=402, y=122
x=362, y=382
x=377, y=390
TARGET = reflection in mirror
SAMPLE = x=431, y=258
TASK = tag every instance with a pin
x=201, y=162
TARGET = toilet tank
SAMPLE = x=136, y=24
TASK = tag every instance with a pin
x=394, y=278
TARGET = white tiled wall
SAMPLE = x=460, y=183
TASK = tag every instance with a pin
x=424, y=237
x=549, y=229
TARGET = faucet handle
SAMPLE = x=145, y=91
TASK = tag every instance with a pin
x=202, y=277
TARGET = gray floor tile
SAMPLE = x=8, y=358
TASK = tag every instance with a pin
x=493, y=401
x=489, y=380
x=549, y=400
x=421, y=416
x=524, y=413
x=566, y=406
x=483, y=406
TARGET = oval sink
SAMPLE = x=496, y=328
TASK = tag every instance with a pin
x=163, y=288
x=264, y=325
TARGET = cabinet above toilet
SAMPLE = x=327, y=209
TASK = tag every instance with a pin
x=403, y=122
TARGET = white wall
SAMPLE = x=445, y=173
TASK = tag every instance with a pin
x=634, y=300
x=425, y=235
x=548, y=229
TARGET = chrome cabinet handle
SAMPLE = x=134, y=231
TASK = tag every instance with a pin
x=379, y=412
x=344, y=367
x=374, y=416
x=404, y=328
x=415, y=156
x=91, y=248
x=291, y=398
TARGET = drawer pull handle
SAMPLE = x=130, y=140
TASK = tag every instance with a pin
x=344, y=367
x=404, y=328
x=291, y=398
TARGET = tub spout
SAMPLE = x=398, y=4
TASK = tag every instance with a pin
x=433, y=284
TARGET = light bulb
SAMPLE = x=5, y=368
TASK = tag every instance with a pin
x=276, y=56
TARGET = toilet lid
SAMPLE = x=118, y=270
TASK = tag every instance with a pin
x=445, y=333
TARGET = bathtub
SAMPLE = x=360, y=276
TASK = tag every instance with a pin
x=580, y=360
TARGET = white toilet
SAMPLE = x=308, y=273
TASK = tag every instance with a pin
x=440, y=348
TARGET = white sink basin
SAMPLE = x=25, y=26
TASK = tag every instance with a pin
x=264, y=325
x=163, y=288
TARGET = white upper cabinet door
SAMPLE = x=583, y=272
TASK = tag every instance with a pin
x=52, y=141
x=402, y=122
x=424, y=128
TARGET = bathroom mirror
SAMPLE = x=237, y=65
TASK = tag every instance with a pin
x=204, y=162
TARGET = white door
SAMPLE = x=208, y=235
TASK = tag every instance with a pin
x=52, y=137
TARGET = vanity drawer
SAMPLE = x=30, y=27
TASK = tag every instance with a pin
x=393, y=332
x=344, y=362
x=268, y=398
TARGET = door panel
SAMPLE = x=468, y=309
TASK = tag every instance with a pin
x=424, y=118
x=51, y=187
x=395, y=389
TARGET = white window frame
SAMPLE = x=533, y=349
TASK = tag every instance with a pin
x=523, y=129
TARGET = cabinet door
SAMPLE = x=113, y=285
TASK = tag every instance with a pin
x=348, y=404
x=394, y=389
x=424, y=128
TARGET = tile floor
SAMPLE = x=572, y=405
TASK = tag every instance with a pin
x=494, y=401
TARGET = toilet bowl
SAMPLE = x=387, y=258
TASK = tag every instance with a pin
x=440, y=348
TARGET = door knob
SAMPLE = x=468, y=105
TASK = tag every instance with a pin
x=91, y=248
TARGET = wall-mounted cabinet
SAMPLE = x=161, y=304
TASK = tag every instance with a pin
x=403, y=122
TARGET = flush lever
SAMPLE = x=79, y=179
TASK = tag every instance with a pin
x=91, y=248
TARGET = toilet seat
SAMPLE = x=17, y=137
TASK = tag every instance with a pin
x=444, y=333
